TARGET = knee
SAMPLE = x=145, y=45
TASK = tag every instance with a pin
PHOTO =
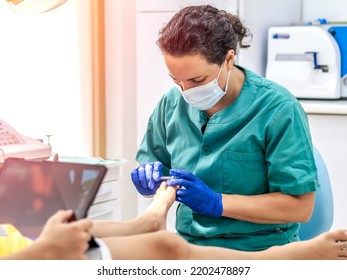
x=174, y=246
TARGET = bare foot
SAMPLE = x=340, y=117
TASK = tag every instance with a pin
x=327, y=246
x=153, y=219
x=165, y=195
x=162, y=201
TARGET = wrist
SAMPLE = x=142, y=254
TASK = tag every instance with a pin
x=46, y=249
x=218, y=211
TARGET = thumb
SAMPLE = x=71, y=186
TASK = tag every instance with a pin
x=182, y=174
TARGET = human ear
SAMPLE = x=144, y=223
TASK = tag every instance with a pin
x=230, y=59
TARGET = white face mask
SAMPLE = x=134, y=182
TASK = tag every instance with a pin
x=206, y=96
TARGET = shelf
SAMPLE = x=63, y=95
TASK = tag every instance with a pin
x=325, y=107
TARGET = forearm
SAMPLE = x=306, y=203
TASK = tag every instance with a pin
x=268, y=208
x=36, y=251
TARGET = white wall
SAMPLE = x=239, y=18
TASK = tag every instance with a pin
x=45, y=75
x=121, y=95
x=331, y=10
x=258, y=16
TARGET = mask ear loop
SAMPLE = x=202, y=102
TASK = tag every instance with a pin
x=220, y=71
x=227, y=83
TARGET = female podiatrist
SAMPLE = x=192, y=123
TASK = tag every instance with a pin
x=238, y=144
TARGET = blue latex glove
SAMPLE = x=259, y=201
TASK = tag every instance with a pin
x=146, y=177
x=195, y=193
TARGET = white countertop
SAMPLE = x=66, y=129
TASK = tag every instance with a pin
x=325, y=107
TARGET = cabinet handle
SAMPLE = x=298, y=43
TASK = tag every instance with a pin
x=104, y=192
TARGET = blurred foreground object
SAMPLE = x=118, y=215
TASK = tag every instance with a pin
x=31, y=7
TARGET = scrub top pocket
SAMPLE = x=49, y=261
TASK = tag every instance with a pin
x=244, y=173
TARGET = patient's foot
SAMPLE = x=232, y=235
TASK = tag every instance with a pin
x=158, y=209
x=153, y=219
x=327, y=246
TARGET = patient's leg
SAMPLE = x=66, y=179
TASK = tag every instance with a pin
x=167, y=245
x=327, y=246
x=153, y=219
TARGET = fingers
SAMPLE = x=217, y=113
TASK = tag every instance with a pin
x=146, y=173
x=179, y=182
x=142, y=175
x=85, y=224
x=181, y=193
x=80, y=233
x=157, y=173
x=149, y=175
x=62, y=216
x=81, y=229
x=136, y=176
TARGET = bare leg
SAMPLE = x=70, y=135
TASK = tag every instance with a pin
x=167, y=245
x=164, y=245
x=153, y=219
x=143, y=243
x=327, y=246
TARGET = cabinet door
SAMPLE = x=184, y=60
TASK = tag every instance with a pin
x=329, y=135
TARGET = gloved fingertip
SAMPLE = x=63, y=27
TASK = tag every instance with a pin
x=157, y=164
x=157, y=175
x=173, y=172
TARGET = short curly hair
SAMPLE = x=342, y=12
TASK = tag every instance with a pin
x=203, y=30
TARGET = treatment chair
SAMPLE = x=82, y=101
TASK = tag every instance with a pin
x=323, y=213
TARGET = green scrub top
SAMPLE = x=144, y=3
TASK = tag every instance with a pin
x=260, y=144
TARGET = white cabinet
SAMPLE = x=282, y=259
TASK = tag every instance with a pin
x=106, y=205
x=328, y=123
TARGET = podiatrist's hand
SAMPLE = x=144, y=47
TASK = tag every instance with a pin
x=146, y=177
x=196, y=194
